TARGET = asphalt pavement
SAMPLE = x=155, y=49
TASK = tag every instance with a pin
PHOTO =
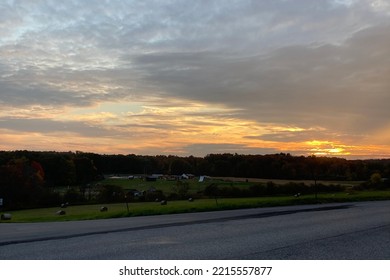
x=329, y=231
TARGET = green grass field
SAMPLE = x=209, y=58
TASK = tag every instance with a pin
x=167, y=186
x=195, y=186
x=87, y=212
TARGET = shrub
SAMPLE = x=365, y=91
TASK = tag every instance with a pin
x=73, y=196
x=154, y=195
x=110, y=193
x=181, y=189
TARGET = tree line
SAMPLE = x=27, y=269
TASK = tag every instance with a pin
x=27, y=178
x=272, y=166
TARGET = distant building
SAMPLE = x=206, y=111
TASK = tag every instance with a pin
x=203, y=178
x=186, y=176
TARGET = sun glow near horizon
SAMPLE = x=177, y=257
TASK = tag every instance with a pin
x=177, y=127
x=135, y=128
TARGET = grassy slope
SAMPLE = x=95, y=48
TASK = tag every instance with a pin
x=85, y=212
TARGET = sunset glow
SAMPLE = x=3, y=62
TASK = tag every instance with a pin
x=185, y=78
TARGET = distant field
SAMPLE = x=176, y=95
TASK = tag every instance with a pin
x=141, y=185
x=280, y=181
x=195, y=186
x=87, y=212
x=168, y=187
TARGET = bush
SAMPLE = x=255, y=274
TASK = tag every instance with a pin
x=212, y=190
x=73, y=196
x=110, y=194
x=49, y=198
x=330, y=188
x=181, y=189
x=154, y=195
x=269, y=189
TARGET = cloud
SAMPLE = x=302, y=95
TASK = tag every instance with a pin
x=47, y=126
x=213, y=68
x=341, y=87
x=205, y=149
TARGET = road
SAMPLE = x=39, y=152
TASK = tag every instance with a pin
x=332, y=231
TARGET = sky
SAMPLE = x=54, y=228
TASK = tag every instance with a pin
x=178, y=77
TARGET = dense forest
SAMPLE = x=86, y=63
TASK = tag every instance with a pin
x=27, y=177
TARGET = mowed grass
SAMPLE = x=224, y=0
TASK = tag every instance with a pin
x=88, y=212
